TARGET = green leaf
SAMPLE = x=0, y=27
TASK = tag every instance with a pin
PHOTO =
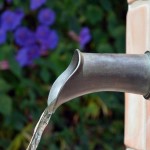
x=15, y=68
x=92, y=109
x=5, y=104
x=6, y=51
x=105, y=48
x=94, y=14
x=106, y=5
x=4, y=86
x=45, y=75
x=112, y=21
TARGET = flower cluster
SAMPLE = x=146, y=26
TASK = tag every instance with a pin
x=30, y=43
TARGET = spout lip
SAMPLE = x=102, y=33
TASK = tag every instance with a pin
x=63, y=78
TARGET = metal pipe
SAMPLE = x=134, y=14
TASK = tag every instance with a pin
x=91, y=72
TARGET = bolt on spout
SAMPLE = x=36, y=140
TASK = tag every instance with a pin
x=94, y=72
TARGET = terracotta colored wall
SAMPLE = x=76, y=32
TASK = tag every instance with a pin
x=137, y=109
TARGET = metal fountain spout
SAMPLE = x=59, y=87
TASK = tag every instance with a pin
x=94, y=72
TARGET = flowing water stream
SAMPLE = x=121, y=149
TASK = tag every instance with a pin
x=39, y=128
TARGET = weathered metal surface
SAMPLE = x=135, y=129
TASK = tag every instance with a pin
x=89, y=72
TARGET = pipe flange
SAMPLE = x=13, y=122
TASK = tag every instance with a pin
x=147, y=96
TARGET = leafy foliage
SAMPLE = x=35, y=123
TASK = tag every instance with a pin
x=91, y=122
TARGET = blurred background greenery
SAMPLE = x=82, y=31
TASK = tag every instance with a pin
x=95, y=121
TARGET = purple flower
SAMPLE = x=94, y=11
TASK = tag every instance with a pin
x=9, y=1
x=34, y=4
x=46, y=16
x=2, y=36
x=84, y=36
x=53, y=39
x=46, y=37
x=42, y=34
x=20, y=13
x=27, y=55
x=10, y=20
x=22, y=57
x=24, y=37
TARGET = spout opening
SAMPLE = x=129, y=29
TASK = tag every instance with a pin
x=63, y=78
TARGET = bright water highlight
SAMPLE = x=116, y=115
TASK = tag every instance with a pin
x=40, y=126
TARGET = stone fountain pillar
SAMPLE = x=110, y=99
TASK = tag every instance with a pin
x=137, y=110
